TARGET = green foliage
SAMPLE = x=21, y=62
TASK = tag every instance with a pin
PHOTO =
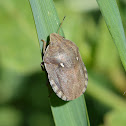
x=23, y=92
x=47, y=22
x=112, y=17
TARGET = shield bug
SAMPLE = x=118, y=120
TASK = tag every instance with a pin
x=67, y=73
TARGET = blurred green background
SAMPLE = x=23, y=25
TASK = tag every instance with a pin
x=23, y=91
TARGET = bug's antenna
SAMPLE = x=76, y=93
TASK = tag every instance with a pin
x=61, y=24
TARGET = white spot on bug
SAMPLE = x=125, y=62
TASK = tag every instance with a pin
x=61, y=64
x=84, y=90
x=60, y=94
x=64, y=98
x=77, y=58
x=55, y=88
x=57, y=23
x=85, y=87
x=45, y=65
x=52, y=82
x=85, y=68
x=86, y=76
x=86, y=82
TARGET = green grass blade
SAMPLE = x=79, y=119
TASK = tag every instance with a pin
x=45, y=17
x=71, y=113
x=112, y=18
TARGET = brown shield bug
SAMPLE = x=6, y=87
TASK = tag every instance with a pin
x=67, y=73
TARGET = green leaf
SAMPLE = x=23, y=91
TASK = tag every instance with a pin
x=71, y=113
x=115, y=118
x=112, y=18
x=17, y=33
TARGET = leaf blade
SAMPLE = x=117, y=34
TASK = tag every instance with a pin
x=47, y=22
x=112, y=18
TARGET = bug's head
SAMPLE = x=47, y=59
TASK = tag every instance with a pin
x=56, y=38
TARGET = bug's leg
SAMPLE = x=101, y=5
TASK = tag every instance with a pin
x=44, y=46
x=42, y=66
